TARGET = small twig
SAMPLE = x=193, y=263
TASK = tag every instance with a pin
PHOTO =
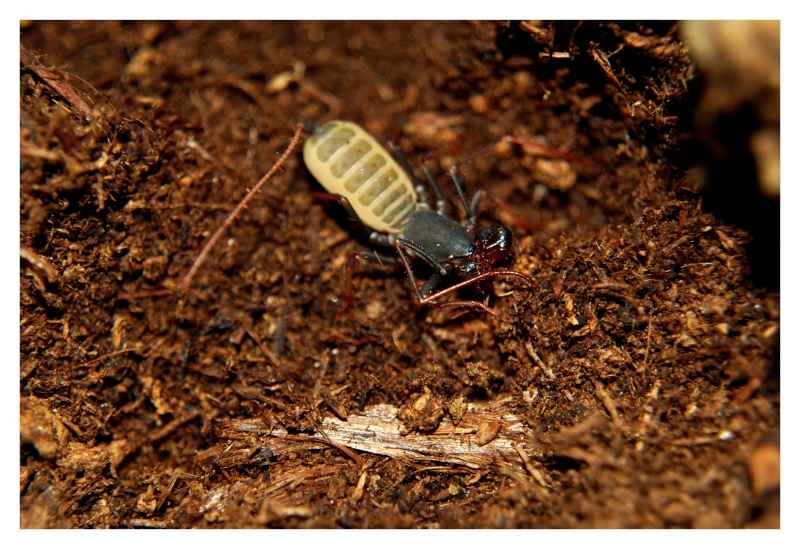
x=609, y=404
x=52, y=80
x=176, y=475
x=38, y=262
x=32, y=151
x=612, y=286
x=201, y=257
x=266, y=351
x=359, y=489
x=535, y=356
x=173, y=426
x=722, y=436
x=602, y=59
x=533, y=471
x=109, y=355
x=341, y=447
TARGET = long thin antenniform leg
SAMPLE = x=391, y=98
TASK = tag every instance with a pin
x=545, y=150
x=551, y=152
x=517, y=219
x=525, y=143
x=201, y=257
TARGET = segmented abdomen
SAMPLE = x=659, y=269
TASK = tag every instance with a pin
x=346, y=160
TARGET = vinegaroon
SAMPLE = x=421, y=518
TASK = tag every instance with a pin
x=391, y=205
x=393, y=209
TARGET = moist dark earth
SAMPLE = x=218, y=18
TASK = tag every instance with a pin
x=637, y=384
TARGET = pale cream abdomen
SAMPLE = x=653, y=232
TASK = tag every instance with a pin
x=346, y=160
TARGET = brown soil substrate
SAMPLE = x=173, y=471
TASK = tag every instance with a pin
x=636, y=385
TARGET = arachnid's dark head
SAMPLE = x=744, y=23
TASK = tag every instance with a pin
x=491, y=245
